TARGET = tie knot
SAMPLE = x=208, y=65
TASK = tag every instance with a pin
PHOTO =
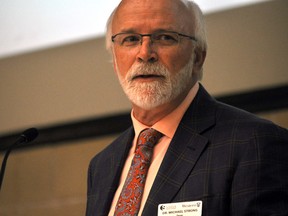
x=149, y=137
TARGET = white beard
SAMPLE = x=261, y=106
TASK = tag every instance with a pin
x=148, y=95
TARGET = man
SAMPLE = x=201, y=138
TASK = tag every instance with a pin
x=217, y=159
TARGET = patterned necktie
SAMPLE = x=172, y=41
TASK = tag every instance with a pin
x=130, y=198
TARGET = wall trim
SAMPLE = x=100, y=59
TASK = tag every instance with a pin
x=262, y=100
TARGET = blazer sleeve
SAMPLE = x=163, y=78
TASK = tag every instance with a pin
x=260, y=183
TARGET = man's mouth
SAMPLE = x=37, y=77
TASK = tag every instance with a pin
x=147, y=76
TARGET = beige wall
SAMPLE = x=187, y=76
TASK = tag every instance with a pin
x=48, y=181
x=248, y=50
x=57, y=85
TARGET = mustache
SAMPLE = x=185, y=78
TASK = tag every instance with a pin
x=147, y=69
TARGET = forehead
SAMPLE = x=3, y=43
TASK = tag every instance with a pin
x=146, y=15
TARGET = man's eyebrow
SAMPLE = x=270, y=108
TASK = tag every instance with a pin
x=132, y=30
x=164, y=29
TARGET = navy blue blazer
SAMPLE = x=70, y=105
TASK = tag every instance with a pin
x=231, y=160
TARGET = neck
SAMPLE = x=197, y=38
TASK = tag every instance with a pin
x=150, y=117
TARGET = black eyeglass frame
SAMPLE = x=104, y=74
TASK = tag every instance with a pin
x=150, y=35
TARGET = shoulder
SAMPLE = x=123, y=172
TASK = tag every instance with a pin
x=227, y=114
x=206, y=114
x=261, y=135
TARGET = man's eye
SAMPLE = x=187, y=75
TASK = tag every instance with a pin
x=165, y=37
x=130, y=39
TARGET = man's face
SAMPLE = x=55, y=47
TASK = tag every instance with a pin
x=152, y=75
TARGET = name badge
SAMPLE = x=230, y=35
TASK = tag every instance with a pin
x=193, y=208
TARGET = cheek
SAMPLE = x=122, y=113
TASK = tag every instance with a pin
x=124, y=61
x=176, y=61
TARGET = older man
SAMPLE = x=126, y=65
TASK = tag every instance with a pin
x=207, y=158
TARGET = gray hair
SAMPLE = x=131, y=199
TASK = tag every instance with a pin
x=109, y=30
x=200, y=27
x=196, y=13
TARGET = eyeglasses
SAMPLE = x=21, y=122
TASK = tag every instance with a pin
x=163, y=38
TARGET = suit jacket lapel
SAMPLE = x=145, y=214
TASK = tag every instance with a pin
x=183, y=152
x=116, y=159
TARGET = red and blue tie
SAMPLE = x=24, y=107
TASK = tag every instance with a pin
x=130, y=198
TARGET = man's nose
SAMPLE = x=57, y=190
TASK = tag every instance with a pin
x=146, y=52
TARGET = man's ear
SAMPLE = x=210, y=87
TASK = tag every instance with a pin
x=200, y=56
x=114, y=62
x=114, y=65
